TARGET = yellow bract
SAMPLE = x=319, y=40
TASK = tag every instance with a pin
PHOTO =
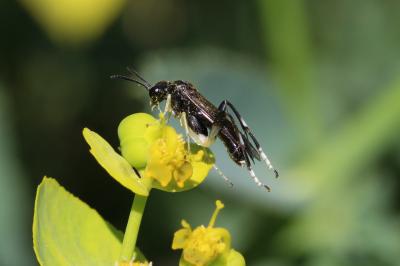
x=114, y=163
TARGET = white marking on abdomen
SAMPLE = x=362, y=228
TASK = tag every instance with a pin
x=200, y=139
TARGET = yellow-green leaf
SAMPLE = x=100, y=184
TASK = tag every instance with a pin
x=66, y=231
x=114, y=163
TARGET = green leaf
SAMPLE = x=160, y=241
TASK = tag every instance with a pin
x=66, y=231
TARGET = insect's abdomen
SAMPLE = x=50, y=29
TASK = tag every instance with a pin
x=229, y=137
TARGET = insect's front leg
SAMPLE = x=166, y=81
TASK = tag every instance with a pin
x=167, y=109
x=184, y=124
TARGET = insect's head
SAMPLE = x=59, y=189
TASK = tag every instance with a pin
x=159, y=92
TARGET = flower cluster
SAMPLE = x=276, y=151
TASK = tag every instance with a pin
x=154, y=155
x=169, y=161
x=206, y=245
x=156, y=151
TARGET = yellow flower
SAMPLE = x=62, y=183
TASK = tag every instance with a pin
x=206, y=245
x=156, y=151
x=168, y=160
x=114, y=163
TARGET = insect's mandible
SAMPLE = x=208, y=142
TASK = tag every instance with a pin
x=204, y=122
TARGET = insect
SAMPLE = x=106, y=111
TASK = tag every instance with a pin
x=204, y=122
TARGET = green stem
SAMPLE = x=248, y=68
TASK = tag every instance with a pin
x=287, y=39
x=132, y=228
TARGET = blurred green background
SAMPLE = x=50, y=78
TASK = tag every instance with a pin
x=317, y=81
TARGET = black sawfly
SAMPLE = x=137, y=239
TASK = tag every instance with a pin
x=204, y=122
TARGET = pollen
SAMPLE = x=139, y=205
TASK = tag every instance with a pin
x=169, y=161
x=203, y=245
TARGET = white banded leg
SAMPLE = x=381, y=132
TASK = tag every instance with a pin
x=267, y=162
x=248, y=165
x=263, y=156
x=255, y=178
x=222, y=175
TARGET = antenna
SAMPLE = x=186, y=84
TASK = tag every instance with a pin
x=134, y=73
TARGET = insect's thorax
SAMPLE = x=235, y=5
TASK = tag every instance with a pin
x=186, y=98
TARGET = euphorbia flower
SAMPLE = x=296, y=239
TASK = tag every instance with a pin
x=168, y=160
x=156, y=151
x=206, y=246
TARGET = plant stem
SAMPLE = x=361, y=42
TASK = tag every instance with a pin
x=287, y=39
x=132, y=228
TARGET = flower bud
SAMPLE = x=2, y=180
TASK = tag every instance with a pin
x=136, y=133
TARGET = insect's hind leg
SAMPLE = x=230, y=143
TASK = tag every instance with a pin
x=246, y=162
x=223, y=107
x=256, y=180
x=249, y=168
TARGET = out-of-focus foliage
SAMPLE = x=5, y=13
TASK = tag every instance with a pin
x=316, y=81
x=14, y=203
